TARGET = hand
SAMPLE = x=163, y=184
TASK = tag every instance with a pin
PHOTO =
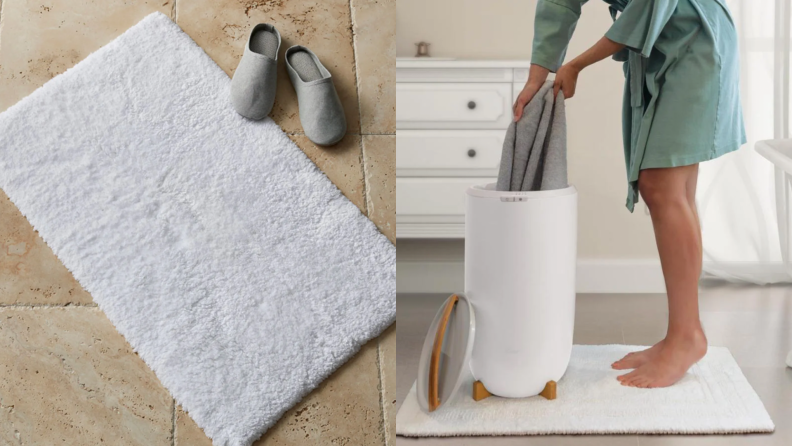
x=537, y=75
x=566, y=80
x=525, y=96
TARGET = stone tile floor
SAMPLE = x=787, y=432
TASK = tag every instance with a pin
x=67, y=376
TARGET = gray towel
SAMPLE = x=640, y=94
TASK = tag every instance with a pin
x=534, y=149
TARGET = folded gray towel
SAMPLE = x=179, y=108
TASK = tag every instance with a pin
x=534, y=149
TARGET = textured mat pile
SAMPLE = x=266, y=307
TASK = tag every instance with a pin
x=713, y=398
x=237, y=270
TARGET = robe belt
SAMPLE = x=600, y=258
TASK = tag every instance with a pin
x=636, y=75
x=636, y=68
x=637, y=78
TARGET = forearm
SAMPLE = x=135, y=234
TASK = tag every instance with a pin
x=537, y=74
x=602, y=49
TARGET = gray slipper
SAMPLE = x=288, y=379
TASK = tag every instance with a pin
x=254, y=81
x=321, y=113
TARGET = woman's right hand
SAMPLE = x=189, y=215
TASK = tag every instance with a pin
x=536, y=77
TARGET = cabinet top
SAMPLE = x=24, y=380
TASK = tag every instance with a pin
x=428, y=62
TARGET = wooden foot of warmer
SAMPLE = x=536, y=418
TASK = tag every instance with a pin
x=549, y=391
x=480, y=392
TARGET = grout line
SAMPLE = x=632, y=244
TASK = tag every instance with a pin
x=68, y=305
x=173, y=423
x=175, y=12
x=383, y=419
x=366, y=177
x=355, y=62
x=1, y=22
x=360, y=112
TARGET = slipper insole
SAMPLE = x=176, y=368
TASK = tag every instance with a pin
x=264, y=42
x=305, y=66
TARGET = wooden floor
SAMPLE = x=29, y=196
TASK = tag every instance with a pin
x=755, y=323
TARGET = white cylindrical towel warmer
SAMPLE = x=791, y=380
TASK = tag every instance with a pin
x=520, y=259
x=512, y=329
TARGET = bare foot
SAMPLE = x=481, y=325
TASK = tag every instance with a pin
x=634, y=360
x=670, y=364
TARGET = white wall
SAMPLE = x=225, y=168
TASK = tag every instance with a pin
x=469, y=29
x=503, y=29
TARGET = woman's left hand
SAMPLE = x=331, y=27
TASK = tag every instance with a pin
x=566, y=80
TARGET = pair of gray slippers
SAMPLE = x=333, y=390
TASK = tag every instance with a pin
x=254, y=82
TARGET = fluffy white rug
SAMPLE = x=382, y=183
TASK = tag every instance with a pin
x=714, y=398
x=235, y=268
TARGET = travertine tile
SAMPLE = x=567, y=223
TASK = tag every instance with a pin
x=375, y=54
x=379, y=154
x=187, y=433
x=341, y=163
x=387, y=352
x=29, y=271
x=40, y=39
x=344, y=410
x=91, y=387
x=221, y=28
x=69, y=378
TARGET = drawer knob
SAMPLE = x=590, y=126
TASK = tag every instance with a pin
x=472, y=153
x=471, y=105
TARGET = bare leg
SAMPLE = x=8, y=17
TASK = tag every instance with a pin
x=691, y=197
x=637, y=359
x=670, y=195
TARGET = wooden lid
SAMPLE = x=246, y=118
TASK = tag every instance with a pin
x=446, y=354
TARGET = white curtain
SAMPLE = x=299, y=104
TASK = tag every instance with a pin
x=736, y=192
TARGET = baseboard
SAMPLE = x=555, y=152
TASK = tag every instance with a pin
x=593, y=276
x=430, y=277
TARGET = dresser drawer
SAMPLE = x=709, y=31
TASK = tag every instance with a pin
x=453, y=105
x=456, y=153
x=433, y=200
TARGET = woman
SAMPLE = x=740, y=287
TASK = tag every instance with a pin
x=681, y=106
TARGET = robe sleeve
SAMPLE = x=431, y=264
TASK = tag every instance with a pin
x=641, y=22
x=554, y=23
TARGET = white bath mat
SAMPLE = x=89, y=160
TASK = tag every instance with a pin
x=235, y=268
x=713, y=398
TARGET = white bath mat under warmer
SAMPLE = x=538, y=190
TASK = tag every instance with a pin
x=237, y=270
x=713, y=398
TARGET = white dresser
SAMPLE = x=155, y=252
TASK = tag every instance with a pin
x=451, y=117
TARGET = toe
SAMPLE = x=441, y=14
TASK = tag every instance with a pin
x=641, y=381
x=636, y=378
x=627, y=363
x=626, y=378
x=630, y=382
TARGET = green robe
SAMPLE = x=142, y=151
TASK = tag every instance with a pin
x=681, y=97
